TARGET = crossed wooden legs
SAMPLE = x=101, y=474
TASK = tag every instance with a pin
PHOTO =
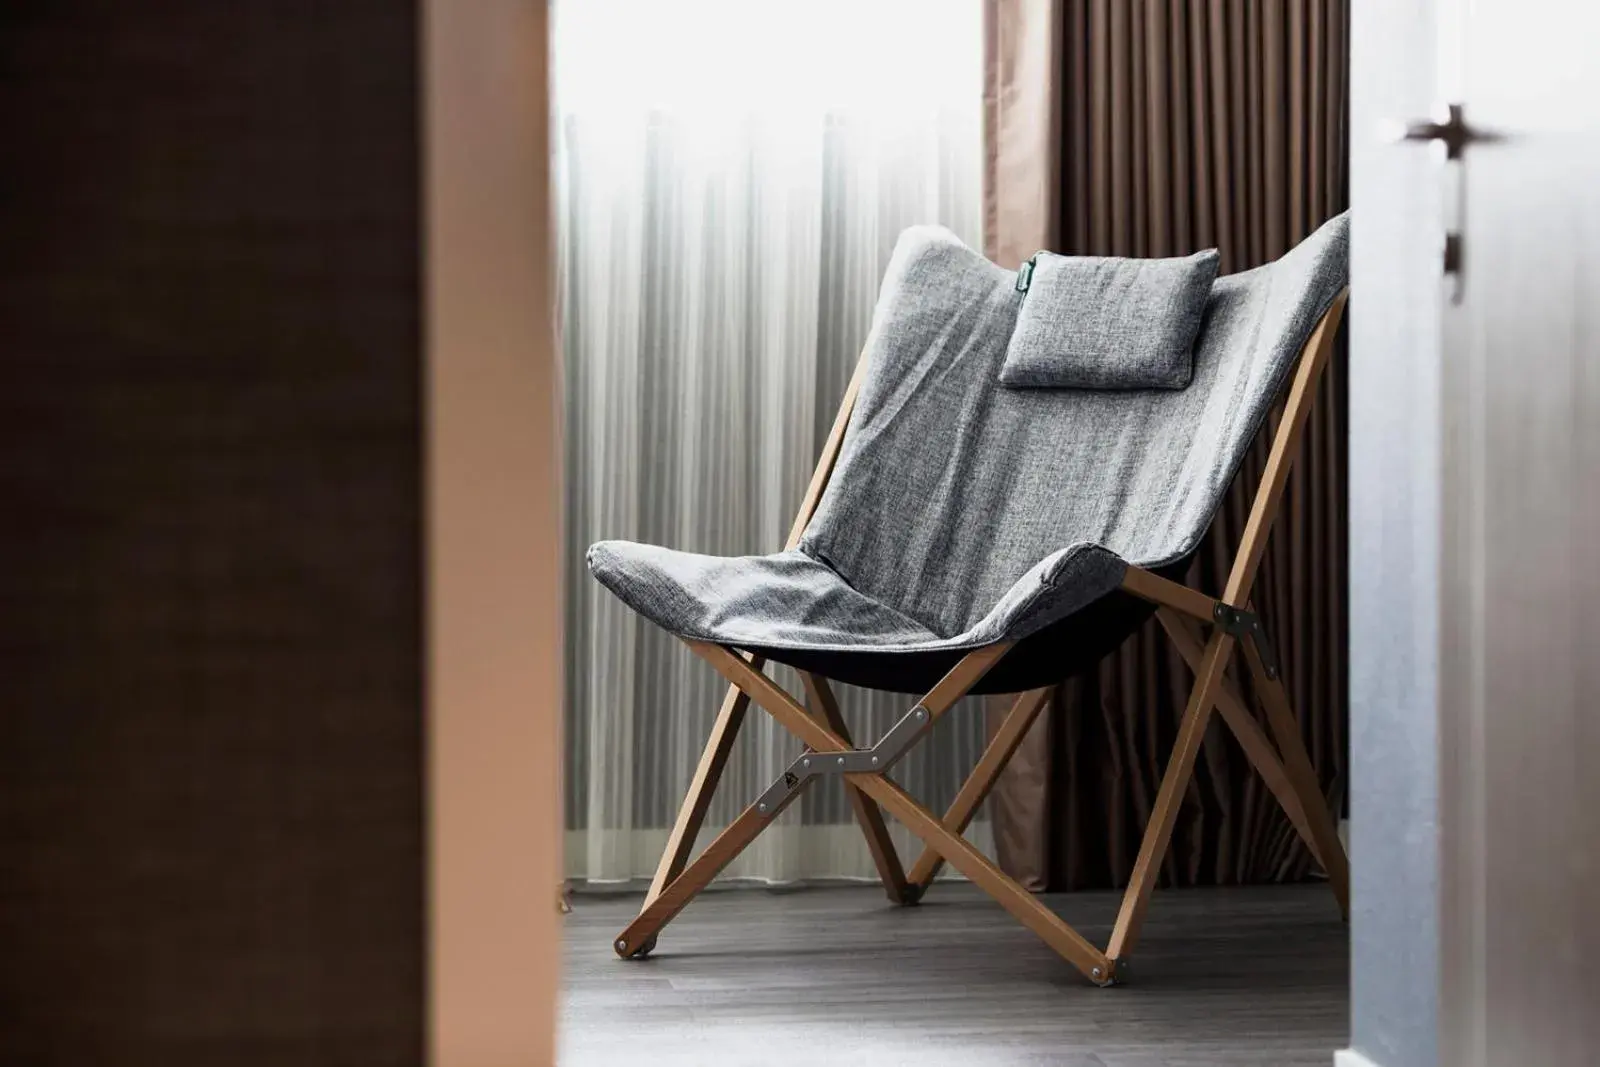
x=884, y=857
x=1291, y=780
x=982, y=779
x=1295, y=788
x=821, y=739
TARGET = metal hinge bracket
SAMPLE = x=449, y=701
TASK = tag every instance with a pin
x=1246, y=626
x=874, y=760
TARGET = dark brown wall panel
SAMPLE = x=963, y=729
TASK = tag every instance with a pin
x=210, y=684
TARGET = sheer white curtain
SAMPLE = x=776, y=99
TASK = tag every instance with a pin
x=731, y=176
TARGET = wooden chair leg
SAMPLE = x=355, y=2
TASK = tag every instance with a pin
x=680, y=843
x=1024, y=710
x=1257, y=747
x=1180, y=768
x=819, y=695
x=639, y=937
x=1302, y=776
x=746, y=677
x=1209, y=669
x=1023, y=905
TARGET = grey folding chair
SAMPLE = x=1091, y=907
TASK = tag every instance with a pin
x=959, y=536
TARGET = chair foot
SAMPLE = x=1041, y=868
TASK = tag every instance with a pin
x=1116, y=972
x=912, y=894
x=630, y=953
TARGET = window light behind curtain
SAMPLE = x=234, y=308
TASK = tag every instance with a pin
x=731, y=176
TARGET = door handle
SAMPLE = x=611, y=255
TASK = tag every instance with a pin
x=1452, y=132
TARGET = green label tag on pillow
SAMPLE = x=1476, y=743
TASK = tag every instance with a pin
x=1025, y=274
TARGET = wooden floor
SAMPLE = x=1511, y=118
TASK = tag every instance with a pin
x=1230, y=977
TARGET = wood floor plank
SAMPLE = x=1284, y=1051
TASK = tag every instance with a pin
x=837, y=976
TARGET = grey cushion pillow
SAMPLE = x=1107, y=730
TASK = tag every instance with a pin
x=1099, y=322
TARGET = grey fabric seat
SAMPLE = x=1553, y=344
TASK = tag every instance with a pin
x=962, y=512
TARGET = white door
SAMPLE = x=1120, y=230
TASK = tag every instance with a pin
x=1475, y=520
x=1520, y=600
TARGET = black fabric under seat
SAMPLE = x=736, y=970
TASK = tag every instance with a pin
x=1060, y=651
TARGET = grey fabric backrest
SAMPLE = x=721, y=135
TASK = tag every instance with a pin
x=950, y=486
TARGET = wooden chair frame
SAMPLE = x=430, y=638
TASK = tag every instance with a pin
x=1280, y=759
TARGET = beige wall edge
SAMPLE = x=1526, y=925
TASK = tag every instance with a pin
x=493, y=588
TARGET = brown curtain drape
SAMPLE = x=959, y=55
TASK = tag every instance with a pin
x=1156, y=128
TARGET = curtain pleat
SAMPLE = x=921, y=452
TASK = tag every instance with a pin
x=1183, y=126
